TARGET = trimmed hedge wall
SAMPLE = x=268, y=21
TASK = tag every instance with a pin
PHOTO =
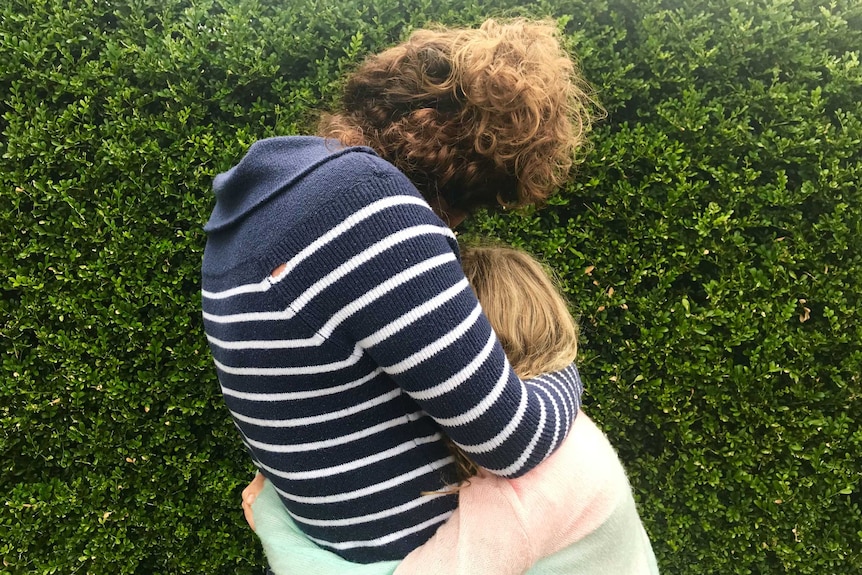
x=711, y=242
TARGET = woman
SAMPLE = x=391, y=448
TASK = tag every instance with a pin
x=345, y=335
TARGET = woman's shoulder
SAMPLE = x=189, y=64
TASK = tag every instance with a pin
x=304, y=171
x=329, y=162
x=288, y=158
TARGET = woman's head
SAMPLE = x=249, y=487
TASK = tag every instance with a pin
x=474, y=117
x=524, y=307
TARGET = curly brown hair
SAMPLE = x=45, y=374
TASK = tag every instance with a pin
x=477, y=117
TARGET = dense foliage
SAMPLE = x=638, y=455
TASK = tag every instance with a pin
x=711, y=243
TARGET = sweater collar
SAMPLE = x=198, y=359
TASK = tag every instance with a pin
x=270, y=166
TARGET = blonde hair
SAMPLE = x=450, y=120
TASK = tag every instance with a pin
x=474, y=116
x=527, y=312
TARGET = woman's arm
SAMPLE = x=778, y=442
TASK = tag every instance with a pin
x=409, y=307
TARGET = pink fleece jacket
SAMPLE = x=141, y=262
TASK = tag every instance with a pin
x=573, y=514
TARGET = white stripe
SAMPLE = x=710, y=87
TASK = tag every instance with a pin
x=579, y=388
x=346, y=521
x=435, y=347
x=323, y=417
x=387, y=539
x=556, y=437
x=320, y=337
x=519, y=463
x=496, y=441
x=300, y=370
x=254, y=458
x=453, y=382
x=334, y=276
x=573, y=390
x=364, y=257
x=561, y=389
x=577, y=385
x=250, y=316
x=413, y=315
x=572, y=373
x=483, y=405
x=258, y=287
x=376, y=488
x=355, y=463
x=566, y=384
x=306, y=252
x=349, y=222
x=570, y=404
x=312, y=341
x=384, y=288
x=565, y=401
x=297, y=395
x=349, y=438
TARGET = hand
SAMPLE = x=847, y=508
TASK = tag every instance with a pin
x=249, y=494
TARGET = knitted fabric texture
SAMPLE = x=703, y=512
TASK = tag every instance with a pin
x=341, y=368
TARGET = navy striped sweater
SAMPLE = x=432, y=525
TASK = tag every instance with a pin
x=343, y=368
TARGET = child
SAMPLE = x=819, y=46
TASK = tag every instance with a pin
x=573, y=514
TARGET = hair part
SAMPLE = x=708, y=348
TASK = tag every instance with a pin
x=477, y=117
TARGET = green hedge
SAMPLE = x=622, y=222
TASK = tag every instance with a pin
x=711, y=242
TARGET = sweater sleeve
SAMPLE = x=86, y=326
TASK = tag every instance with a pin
x=406, y=303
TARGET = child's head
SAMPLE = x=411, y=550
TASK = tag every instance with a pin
x=474, y=117
x=524, y=307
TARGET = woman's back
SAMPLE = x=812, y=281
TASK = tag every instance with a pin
x=331, y=366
